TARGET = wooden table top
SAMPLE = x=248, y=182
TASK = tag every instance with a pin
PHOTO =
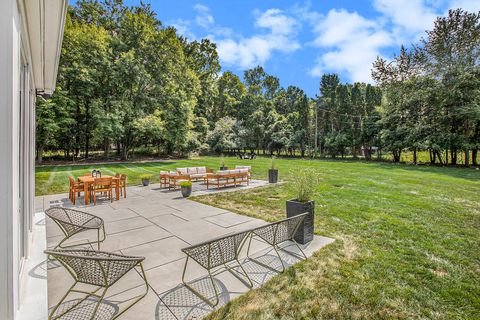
x=92, y=179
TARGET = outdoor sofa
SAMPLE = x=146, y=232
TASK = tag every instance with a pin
x=224, y=178
x=195, y=173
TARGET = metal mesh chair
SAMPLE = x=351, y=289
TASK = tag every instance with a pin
x=276, y=233
x=214, y=253
x=72, y=222
x=97, y=268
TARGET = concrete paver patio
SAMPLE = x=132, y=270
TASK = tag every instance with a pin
x=157, y=224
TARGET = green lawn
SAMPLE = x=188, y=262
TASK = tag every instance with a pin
x=408, y=239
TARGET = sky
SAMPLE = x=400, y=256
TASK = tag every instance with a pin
x=299, y=41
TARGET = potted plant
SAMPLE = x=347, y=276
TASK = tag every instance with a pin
x=272, y=172
x=186, y=187
x=146, y=179
x=304, y=184
x=222, y=165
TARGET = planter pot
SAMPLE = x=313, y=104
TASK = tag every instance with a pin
x=186, y=191
x=145, y=182
x=305, y=230
x=272, y=175
x=223, y=168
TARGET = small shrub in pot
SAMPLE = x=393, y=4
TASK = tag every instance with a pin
x=146, y=179
x=304, y=183
x=272, y=172
x=186, y=188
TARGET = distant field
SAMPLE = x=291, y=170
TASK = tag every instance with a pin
x=54, y=179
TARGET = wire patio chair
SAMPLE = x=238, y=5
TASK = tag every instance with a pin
x=96, y=268
x=72, y=222
x=275, y=234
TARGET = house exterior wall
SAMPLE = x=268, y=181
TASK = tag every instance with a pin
x=17, y=129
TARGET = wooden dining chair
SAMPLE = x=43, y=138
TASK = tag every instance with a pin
x=75, y=188
x=122, y=183
x=103, y=186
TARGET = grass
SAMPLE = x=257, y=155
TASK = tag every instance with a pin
x=407, y=239
x=407, y=244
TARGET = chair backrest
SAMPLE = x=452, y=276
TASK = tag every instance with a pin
x=102, y=182
x=95, y=267
x=217, y=251
x=280, y=231
x=70, y=221
x=118, y=175
x=72, y=181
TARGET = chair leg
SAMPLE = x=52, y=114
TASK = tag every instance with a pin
x=201, y=296
x=141, y=297
x=261, y=263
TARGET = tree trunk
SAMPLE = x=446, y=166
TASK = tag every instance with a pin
x=106, y=148
x=439, y=157
x=40, y=154
x=414, y=155
x=474, y=156
x=467, y=157
x=87, y=146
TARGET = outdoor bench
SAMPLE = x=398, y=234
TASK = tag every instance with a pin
x=224, y=250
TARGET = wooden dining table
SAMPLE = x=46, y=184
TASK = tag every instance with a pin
x=89, y=180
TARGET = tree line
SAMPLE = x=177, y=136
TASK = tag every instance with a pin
x=126, y=81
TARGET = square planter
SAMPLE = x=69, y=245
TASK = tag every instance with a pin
x=272, y=175
x=305, y=231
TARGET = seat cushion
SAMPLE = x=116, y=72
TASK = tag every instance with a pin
x=201, y=170
x=197, y=175
x=244, y=167
x=182, y=170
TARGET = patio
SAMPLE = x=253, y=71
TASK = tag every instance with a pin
x=157, y=224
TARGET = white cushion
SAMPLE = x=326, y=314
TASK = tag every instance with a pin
x=243, y=170
x=201, y=169
x=197, y=175
x=244, y=167
x=192, y=170
x=223, y=172
x=182, y=170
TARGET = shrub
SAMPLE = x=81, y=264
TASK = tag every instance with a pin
x=185, y=183
x=146, y=176
x=304, y=183
x=272, y=162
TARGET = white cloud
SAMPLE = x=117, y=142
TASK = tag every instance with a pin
x=352, y=43
x=204, y=18
x=277, y=32
x=413, y=16
x=183, y=28
x=277, y=22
